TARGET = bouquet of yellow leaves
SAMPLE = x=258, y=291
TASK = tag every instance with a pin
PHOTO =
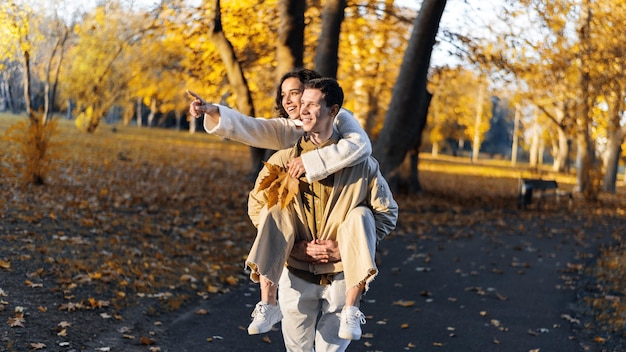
x=281, y=187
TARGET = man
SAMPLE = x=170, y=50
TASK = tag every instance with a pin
x=339, y=209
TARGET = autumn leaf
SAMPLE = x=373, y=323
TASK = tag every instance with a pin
x=272, y=192
x=274, y=172
x=279, y=186
x=38, y=345
x=69, y=306
x=231, y=280
x=5, y=264
x=32, y=284
x=289, y=190
x=146, y=341
x=188, y=278
x=17, y=321
x=403, y=303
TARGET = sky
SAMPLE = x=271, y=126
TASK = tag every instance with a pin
x=461, y=16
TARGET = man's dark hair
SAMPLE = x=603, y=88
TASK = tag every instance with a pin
x=303, y=75
x=331, y=91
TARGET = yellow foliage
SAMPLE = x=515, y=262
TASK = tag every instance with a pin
x=453, y=108
x=31, y=150
x=83, y=119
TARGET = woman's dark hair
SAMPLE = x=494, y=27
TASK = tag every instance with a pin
x=303, y=75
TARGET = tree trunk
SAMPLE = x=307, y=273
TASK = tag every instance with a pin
x=615, y=135
x=139, y=111
x=4, y=93
x=51, y=82
x=534, y=146
x=611, y=162
x=435, y=149
x=561, y=158
x=192, y=124
x=12, y=91
x=68, y=113
x=178, y=115
x=327, y=58
x=584, y=182
x=237, y=80
x=153, y=111
x=515, y=144
x=479, y=114
x=406, y=117
x=290, y=48
x=27, y=89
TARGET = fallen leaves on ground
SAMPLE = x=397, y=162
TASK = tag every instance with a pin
x=101, y=236
x=168, y=224
x=403, y=303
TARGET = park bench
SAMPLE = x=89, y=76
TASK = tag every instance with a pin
x=530, y=188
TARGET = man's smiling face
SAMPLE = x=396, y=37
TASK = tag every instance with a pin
x=315, y=115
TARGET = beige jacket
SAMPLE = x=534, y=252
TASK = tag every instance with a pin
x=360, y=185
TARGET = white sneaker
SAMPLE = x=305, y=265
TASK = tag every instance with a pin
x=265, y=316
x=350, y=324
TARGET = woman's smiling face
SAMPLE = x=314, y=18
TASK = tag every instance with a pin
x=291, y=93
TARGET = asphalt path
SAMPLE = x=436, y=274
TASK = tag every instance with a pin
x=505, y=284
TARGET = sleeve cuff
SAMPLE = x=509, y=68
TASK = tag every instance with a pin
x=314, y=166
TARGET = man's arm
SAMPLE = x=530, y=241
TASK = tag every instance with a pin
x=353, y=147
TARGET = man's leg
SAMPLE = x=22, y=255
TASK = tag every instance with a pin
x=300, y=304
x=334, y=297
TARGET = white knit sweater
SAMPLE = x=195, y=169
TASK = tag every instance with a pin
x=280, y=133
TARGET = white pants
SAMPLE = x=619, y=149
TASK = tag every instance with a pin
x=301, y=302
